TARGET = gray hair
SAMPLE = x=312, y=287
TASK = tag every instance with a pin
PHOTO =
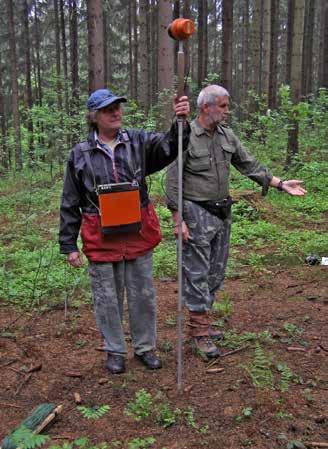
x=91, y=118
x=209, y=95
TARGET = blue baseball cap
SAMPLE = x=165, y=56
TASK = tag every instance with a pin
x=101, y=98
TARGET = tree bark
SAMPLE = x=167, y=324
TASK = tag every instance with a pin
x=58, y=59
x=144, y=55
x=28, y=85
x=227, y=34
x=307, y=65
x=135, y=49
x=64, y=47
x=4, y=153
x=165, y=62
x=256, y=45
x=14, y=86
x=324, y=82
x=74, y=55
x=266, y=46
x=95, y=45
x=37, y=50
x=273, y=81
x=245, y=49
x=296, y=74
x=290, y=26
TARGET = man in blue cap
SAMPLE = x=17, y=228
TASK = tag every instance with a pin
x=119, y=252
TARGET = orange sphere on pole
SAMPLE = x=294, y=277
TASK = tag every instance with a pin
x=181, y=29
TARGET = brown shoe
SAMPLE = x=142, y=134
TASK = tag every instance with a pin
x=206, y=347
x=215, y=334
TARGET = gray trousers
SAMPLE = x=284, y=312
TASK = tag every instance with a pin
x=109, y=282
x=204, y=256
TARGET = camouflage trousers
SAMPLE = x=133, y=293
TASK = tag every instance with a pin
x=110, y=281
x=204, y=256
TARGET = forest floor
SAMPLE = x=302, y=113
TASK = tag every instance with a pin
x=45, y=358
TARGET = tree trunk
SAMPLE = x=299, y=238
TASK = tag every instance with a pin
x=296, y=74
x=106, y=47
x=307, y=66
x=290, y=26
x=186, y=44
x=200, y=35
x=273, y=82
x=4, y=153
x=266, y=46
x=28, y=84
x=37, y=50
x=165, y=61
x=245, y=49
x=95, y=45
x=256, y=45
x=64, y=47
x=74, y=55
x=14, y=86
x=144, y=54
x=58, y=62
x=135, y=49
x=322, y=30
x=324, y=82
x=154, y=50
x=227, y=33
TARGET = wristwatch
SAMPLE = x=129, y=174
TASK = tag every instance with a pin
x=280, y=185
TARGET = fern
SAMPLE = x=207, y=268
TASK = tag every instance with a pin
x=260, y=369
x=26, y=439
x=94, y=412
x=141, y=407
x=141, y=443
x=286, y=376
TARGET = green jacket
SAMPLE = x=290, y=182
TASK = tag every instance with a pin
x=207, y=164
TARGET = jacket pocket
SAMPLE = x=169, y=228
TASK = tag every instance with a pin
x=228, y=151
x=198, y=160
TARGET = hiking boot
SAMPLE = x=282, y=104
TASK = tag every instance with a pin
x=149, y=359
x=215, y=334
x=206, y=346
x=115, y=364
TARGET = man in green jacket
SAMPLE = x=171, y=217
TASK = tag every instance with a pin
x=213, y=148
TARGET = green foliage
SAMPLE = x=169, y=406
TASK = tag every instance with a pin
x=141, y=407
x=224, y=307
x=141, y=443
x=294, y=333
x=286, y=376
x=81, y=443
x=166, y=416
x=94, y=412
x=190, y=419
x=259, y=369
x=24, y=438
x=246, y=413
x=234, y=340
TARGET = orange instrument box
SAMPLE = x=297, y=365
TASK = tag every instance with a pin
x=119, y=207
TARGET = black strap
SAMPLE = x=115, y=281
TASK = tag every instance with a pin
x=85, y=149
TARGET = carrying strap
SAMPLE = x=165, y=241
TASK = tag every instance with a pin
x=85, y=149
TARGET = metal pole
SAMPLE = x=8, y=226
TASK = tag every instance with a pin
x=180, y=214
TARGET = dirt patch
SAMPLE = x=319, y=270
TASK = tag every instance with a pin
x=265, y=301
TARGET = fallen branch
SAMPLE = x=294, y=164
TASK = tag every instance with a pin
x=234, y=351
x=295, y=349
x=314, y=444
x=2, y=404
x=24, y=382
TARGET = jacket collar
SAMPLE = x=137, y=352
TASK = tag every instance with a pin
x=199, y=130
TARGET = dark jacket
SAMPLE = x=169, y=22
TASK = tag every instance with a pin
x=148, y=153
